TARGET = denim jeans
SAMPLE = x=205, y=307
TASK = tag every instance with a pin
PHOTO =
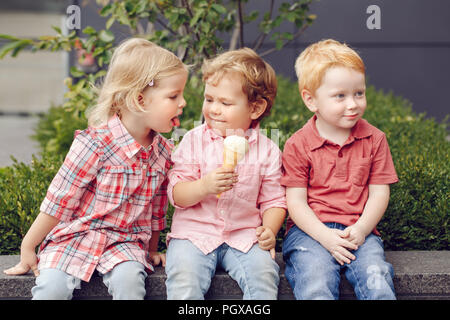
x=189, y=271
x=125, y=282
x=314, y=274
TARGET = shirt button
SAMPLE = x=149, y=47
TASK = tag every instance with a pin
x=144, y=166
x=340, y=154
x=130, y=200
x=95, y=258
x=222, y=211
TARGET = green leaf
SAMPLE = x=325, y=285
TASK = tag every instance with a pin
x=279, y=44
x=196, y=17
x=8, y=37
x=76, y=72
x=110, y=22
x=89, y=30
x=98, y=51
x=16, y=46
x=219, y=8
x=106, y=36
x=106, y=10
x=57, y=29
x=17, y=49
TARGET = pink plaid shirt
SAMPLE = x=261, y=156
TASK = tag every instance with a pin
x=234, y=217
x=109, y=194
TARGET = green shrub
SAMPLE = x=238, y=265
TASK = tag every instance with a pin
x=56, y=128
x=23, y=187
x=417, y=216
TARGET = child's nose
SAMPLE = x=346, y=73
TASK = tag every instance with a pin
x=215, y=108
x=183, y=103
x=352, y=104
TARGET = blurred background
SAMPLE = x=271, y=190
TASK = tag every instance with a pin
x=409, y=55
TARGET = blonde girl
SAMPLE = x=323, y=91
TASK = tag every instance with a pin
x=105, y=207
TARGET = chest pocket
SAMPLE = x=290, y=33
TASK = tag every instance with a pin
x=360, y=170
x=115, y=184
x=249, y=182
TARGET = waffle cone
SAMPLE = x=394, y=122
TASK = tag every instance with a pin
x=230, y=158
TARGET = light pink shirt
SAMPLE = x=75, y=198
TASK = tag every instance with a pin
x=234, y=217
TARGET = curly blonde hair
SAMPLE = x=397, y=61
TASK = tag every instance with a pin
x=258, y=77
x=135, y=63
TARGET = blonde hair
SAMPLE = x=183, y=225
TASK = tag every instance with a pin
x=317, y=58
x=134, y=65
x=258, y=77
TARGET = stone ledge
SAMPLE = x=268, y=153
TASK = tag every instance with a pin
x=418, y=275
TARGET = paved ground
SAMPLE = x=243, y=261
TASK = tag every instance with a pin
x=15, y=132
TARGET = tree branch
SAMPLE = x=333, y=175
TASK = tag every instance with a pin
x=241, y=24
x=235, y=35
x=165, y=26
x=296, y=35
x=188, y=29
x=260, y=39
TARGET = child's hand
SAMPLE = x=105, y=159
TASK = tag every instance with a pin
x=266, y=240
x=28, y=260
x=156, y=258
x=219, y=180
x=355, y=235
x=337, y=244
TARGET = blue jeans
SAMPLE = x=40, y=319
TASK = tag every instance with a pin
x=189, y=271
x=314, y=274
x=125, y=282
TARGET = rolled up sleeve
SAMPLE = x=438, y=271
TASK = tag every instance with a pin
x=272, y=194
x=186, y=166
x=80, y=167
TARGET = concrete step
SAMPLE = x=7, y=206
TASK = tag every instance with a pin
x=418, y=275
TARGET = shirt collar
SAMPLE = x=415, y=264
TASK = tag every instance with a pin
x=359, y=131
x=251, y=134
x=126, y=141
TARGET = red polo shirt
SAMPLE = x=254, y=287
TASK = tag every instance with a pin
x=337, y=177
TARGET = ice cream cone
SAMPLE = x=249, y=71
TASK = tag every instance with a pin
x=234, y=150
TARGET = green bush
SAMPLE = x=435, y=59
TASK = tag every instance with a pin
x=23, y=187
x=417, y=216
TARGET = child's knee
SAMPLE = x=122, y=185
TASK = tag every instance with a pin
x=126, y=281
x=53, y=284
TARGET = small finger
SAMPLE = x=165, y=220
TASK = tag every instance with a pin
x=347, y=255
x=154, y=260
x=35, y=270
x=339, y=258
x=259, y=231
x=348, y=244
x=272, y=253
x=343, y=234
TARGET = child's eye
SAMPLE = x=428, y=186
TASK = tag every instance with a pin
x=173, y=97
x=226, y=104
x=340, y=95
x=360, y=93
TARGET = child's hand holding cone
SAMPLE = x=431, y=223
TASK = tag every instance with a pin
x=234, y=150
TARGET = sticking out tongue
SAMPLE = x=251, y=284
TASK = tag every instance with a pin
x=176, y=122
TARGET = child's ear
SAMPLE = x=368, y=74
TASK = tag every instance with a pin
x=141, y=99
x=258, y=108
x=308, y=99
